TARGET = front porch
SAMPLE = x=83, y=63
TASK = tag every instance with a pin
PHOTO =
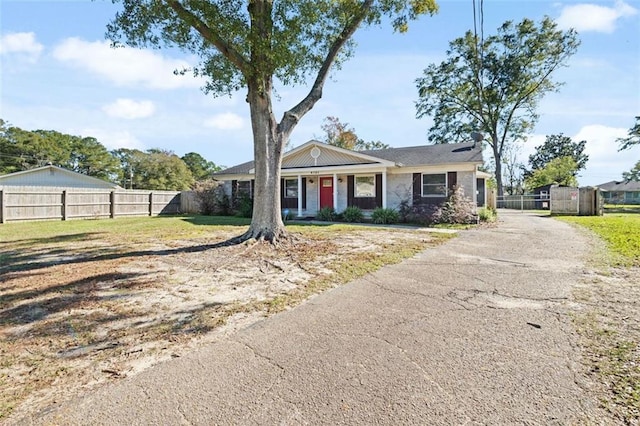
x=304, y=195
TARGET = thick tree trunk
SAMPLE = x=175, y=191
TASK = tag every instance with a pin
x=266, y=223
x=497, y=155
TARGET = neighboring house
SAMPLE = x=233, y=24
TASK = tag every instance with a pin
x=53, y=176
x=317, y=175
x=621, y=192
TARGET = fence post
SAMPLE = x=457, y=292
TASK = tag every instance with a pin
x=521, y=202
x=112, y=204
x=3, y=208
x=151, y=203
x=64, y=204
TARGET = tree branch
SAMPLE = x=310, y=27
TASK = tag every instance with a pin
x=211, y=36
x=293, y=116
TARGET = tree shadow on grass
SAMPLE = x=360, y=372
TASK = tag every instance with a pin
x=30, y=242
x=38, y=303
x=79, y=313
x=20, y=261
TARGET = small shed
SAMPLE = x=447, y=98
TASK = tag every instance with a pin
x=542, y=196
x=55, y=177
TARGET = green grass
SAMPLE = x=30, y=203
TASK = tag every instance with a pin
x=131, y=228
x=611, y=348
x=620, y=231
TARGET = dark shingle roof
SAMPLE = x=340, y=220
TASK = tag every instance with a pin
x=620, y=186
x=430, y=154
x=406, y=156
x=240, y=169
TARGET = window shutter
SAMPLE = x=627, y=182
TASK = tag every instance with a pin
x=350, y=189
x=452, y=181
x=252, y=185
x=234, y=192
x=379, y=190
x=304, y=193
x=417, y=188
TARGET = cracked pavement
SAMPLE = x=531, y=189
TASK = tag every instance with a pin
x=476, y=331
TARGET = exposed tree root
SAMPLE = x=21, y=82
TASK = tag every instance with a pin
x=276, y=236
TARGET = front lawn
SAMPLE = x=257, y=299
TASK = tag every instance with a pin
x=620, y=231
x=89, y=301
x=609, y=324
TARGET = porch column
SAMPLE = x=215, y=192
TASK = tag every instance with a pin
x=299, y=195
x=384, y=189
x=475, y=190
x=335, y=191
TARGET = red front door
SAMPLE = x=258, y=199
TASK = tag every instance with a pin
x=326, y=192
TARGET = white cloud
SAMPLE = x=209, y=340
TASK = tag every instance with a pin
x=602, y=147
x=126, y=66
x=129, y=109
x=605, y=163
x=592, y=17
x=22, y=43
x=113, y=139
x=225, y=121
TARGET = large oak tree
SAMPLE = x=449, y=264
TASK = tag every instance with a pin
x=493, y=86
x=253, y=43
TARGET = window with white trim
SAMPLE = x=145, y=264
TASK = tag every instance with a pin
x=434, y=185
x=364, y=186
x=291, y=188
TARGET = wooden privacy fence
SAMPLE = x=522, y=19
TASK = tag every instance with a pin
x=586, y=201
x=64, y=204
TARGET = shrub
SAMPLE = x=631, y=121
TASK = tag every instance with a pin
x=458, y=209
x=287, y=215
x=384, y=216
x=244, y=207
x=421, y=214
x=487, y=214
x=211, y=198
x=352, y=214
x=326, y=214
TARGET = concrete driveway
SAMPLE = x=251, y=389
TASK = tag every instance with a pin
x=472, y=332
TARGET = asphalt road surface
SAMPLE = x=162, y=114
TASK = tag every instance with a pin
x=475, y=331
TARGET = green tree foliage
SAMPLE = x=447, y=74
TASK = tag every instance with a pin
x=633, y=174
x=154, y=169
x=633, y=138
x=161, y=169
x=557, y=146
x=201, y=169
x=341, y=135
x=250, y=44
x=559, y=171
x=493, y=86
x=128, y=159
x=23, y=149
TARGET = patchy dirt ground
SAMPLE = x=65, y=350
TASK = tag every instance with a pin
x=608, y=322
x=78, y=313
x=609, y=326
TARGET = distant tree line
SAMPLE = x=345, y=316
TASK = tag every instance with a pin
x=130, y=168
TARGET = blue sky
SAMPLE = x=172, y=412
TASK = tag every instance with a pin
x=58, y=72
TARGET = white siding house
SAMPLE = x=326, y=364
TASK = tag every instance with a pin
x=53, y=177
